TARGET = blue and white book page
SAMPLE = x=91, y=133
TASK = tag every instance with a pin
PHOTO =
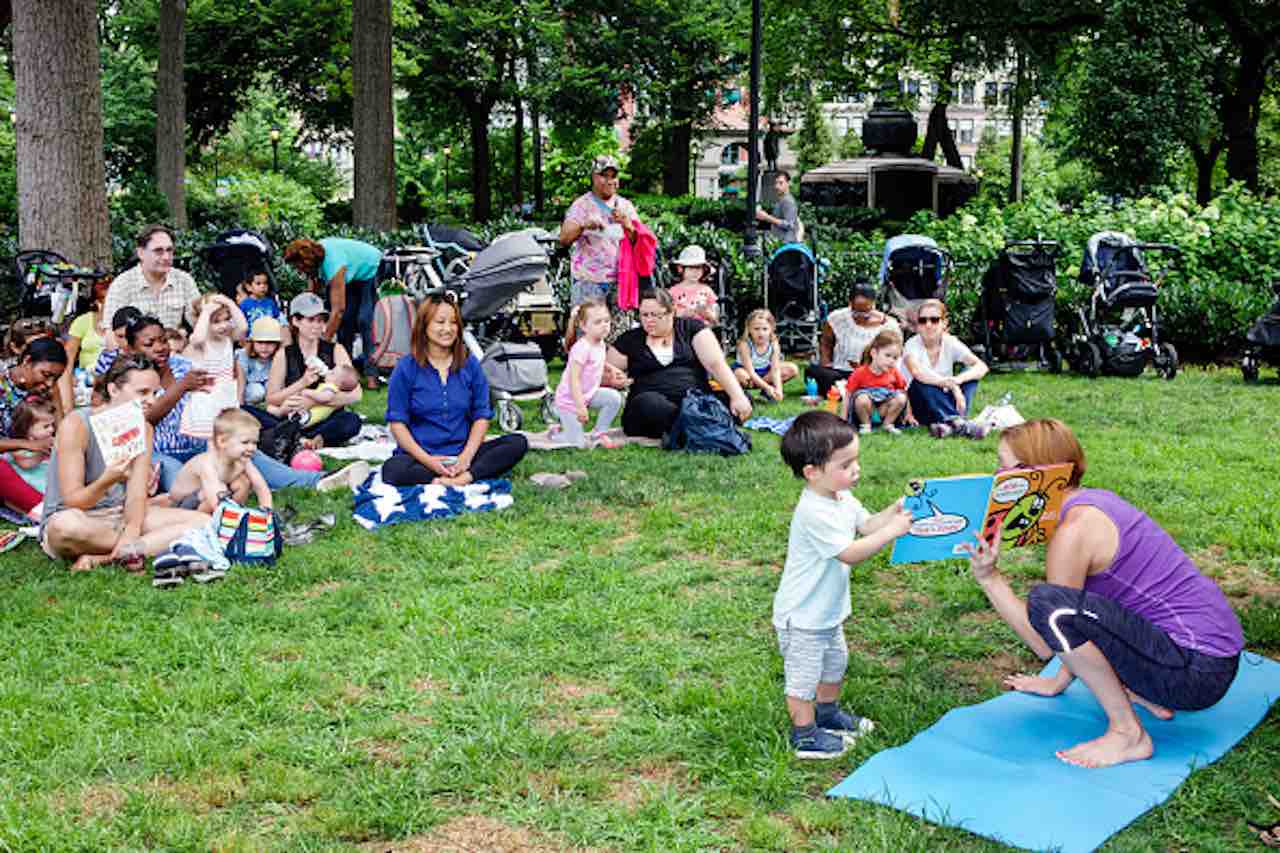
x=946, y=512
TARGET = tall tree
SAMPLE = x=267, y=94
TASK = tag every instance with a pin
x=62, y=193
x=171, y=110
x=374, y=205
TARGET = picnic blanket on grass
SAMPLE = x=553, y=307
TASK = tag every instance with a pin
x=990, y=768
x=378, y=504
x=544, y=441
x=774, y=425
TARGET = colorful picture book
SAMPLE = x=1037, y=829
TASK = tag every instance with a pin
x=121, y=432
x=1020, y=506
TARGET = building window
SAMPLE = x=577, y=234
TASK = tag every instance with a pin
x=953, y=126
x=967, y=92
x=1004, y=127
x=966, y=131
x=913, y=88
x=731, y=155
x=989, y=93
x=855, y=126
x=967, y=161
x=1006, y=94
x=840, y=124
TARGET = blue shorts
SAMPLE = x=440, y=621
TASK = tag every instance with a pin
x=762, y=372
x=877, y=395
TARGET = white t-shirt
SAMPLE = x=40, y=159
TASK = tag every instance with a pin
x=852, y=339
x=951, y=351
x=814, y=591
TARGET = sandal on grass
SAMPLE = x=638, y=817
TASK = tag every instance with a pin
x=1269, y=835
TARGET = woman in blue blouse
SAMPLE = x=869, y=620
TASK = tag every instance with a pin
x=438, y=408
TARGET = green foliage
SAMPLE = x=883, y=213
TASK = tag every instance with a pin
x=251, y=200
x=813, y=143
x=566, y=168
x=128, y=112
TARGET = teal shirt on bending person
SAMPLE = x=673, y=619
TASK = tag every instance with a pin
x=360, y=259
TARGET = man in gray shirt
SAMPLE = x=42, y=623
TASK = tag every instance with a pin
x=784, y=222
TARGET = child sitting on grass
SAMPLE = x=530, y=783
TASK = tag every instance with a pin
x=812, y=601
x=580, y=387
x=34, y=420
x=254, y=360
x=226, y=469
x=876, y=385
x=760, y=363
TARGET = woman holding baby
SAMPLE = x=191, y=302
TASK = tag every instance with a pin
x=299, y=371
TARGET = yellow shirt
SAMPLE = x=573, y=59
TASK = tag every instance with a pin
x=85, y=327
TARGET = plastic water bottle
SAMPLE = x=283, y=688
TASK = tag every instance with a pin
x=811, y=387
x=833, y=399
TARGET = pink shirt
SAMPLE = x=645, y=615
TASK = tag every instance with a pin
x=594, y=255
x=692, y=300
x=591, y=357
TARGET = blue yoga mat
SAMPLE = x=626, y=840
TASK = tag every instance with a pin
x=990, y=768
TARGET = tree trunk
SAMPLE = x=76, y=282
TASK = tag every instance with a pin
x=62, y=190
x=1015, y=144
x=1206, y=159
x=1239, y=111
x=517, y=144
x=677, y=138
x=374, y=205
x=171, y=110
x=536, y=121
x=481, y=194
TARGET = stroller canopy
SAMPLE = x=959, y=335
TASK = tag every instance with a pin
x=499, y=272
x=909, y=248
x=235, y=254
x=792, y=268
x=460, y=236
x=1110, y=252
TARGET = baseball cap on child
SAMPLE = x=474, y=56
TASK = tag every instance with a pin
x=306, y=305
x=603, y=163
x=265, y=329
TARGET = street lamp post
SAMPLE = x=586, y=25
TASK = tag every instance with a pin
x=750, y=242
x=275, y=149
x=447, y=152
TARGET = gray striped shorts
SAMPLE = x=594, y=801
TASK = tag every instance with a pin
x=810, y=657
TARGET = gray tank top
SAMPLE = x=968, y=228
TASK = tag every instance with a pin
x=94, y=465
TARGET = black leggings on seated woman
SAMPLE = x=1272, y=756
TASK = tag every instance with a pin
x=493, y=459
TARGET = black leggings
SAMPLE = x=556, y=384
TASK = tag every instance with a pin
x=649, y=414
x=493, y=459
x=1146, y=660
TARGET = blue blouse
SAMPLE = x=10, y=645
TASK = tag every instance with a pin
x=438, y=415
x=168, y=438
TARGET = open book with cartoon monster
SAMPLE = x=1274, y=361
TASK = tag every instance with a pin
x=1019, y=506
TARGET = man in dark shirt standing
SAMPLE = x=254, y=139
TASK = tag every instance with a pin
x=784, y=222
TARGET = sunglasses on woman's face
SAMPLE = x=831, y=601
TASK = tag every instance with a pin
x=927, y=321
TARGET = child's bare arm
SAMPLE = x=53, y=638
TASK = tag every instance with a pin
x=888, y=529
x=211, y=486
x=200, y=333
x=259, y=484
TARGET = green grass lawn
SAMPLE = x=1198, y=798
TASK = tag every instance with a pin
x=592, y=668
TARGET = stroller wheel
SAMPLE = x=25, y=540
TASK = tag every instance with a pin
x=1089, y=359
x=548, y=409
x=1053, y=358
x=1167, y=361
x=1249, y=367
x=509, y=415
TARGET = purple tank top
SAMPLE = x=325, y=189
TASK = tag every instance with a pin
x=1154, y=578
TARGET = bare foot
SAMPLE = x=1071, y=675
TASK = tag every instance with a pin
x=1114, y=747
x=1160, y=711
x=89, y=562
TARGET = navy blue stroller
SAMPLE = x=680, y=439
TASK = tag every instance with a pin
x=913, y=269
x=1015, y=322
x=791, y=293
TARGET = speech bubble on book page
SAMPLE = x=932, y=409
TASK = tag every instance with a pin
x=938, y=524
x=1008, y=491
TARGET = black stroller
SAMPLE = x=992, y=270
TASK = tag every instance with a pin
x=1263, y=341
x=1119, y=333
x=51, y=286
x=234, y=256
x=913, y=268
x=455, y=248
x=511, y=265
x=1014, y=323
x=791, y=294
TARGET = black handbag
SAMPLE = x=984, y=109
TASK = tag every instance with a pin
x=280, y=442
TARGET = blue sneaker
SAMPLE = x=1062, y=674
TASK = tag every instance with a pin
x=814, y=742
x=841, y=723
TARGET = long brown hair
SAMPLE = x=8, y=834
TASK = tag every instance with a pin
x=420, y=346
x=28, y=412
x=1045, y=441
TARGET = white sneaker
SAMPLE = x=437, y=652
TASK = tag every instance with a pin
x=351, y=477
x=864, y=429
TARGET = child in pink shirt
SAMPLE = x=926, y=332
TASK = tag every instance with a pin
x=580, y=389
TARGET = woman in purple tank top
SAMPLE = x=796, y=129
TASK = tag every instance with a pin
x=1124, y=608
